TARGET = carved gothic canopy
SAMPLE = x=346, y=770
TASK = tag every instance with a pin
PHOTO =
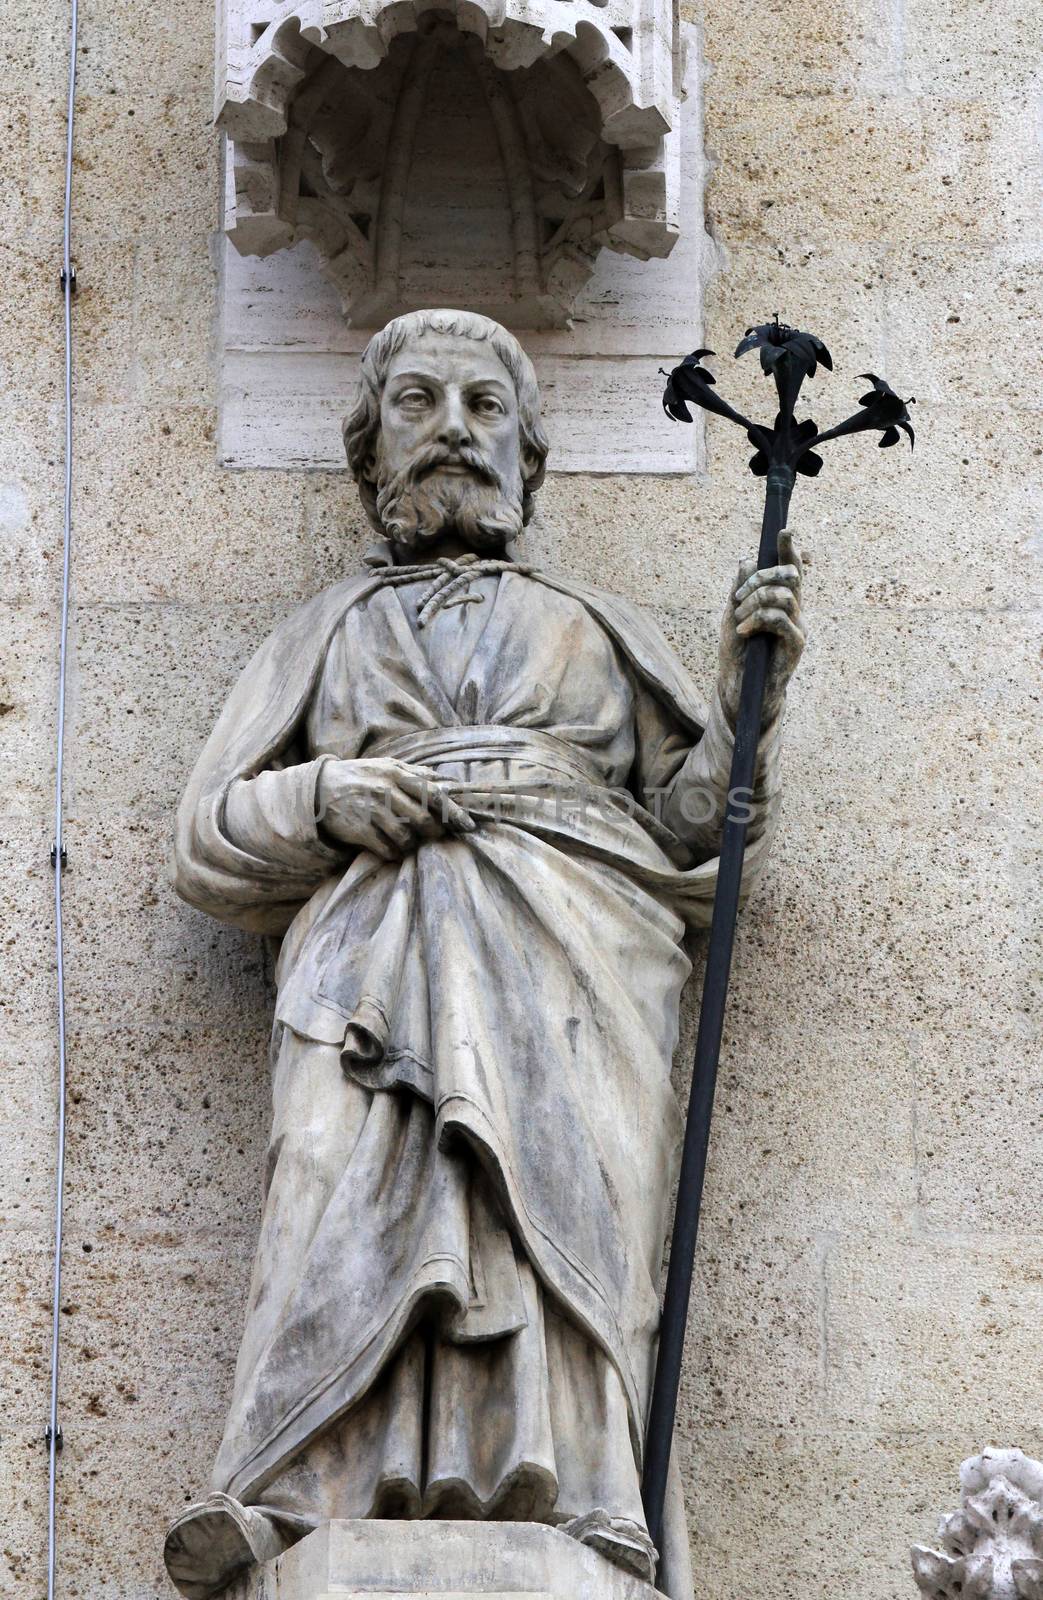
x=483, y=150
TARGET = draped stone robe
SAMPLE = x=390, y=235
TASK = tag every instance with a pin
x=455, y=1298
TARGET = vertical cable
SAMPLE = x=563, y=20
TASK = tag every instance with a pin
x=54, y=1433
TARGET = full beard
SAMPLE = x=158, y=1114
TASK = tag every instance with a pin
x=419, y=504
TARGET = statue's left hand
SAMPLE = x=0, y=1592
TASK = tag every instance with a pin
x=765, y=601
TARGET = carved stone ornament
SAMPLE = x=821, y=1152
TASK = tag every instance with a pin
x=479, y=148
x=992, y=1547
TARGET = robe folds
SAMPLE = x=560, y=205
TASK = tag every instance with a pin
x=474, y=1121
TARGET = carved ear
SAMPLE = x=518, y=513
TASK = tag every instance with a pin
x=534, y=470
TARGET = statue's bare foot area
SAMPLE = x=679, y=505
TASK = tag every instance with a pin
x=209, y=1544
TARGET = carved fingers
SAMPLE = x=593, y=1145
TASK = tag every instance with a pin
x=768, y=600
x=387, y=807
x=746, y=571
x=765, y=600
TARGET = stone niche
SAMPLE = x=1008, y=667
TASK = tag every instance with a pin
x=478, y=152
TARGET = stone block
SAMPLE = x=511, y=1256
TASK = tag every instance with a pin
x=28, y=1128
x=962, y=50
x=151, y=1332
x=963, y=321
x=956, y=525
x=104, y=364
x=30, y=503
x=119, y=1485
x=929, y=761
x=836, y=292
x=174, y=307
x=157, y=154
x=670, y=544
x=25, y=1330
x=753, y=1352
x=932, y=1334
x=27, y=999
x=185, y=964
x=870, y=525
x=953, y=527
x=837, y=1509
x=16, y=141
x=498, y=1560
x=812, y=1128
x=955, y=748
x=979, y=1106
x=912, y=170
x=31, y=339
x=851, y=915
x=147, y=483
x=28, y=698
x=337, y=531
x=23, y=1486
x=151, y=679
x=840, y=45
x=167, y=1130
x=34, y=48
x=147, y=1345
x=146, y=54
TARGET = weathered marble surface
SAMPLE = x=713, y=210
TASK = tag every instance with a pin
x=347, y=1560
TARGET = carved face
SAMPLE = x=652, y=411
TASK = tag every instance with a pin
x=448, y=457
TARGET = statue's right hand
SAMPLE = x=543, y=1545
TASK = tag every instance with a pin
x=388, y=807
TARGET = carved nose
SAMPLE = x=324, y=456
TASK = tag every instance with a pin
x=454, y=431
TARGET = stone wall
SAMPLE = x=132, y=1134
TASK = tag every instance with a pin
x=869, y=1285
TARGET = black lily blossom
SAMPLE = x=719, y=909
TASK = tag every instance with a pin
x=684, y=384
x=691, y=383
x=788, y=355
x=775, y=340
x=881, y=408
x=888, y=406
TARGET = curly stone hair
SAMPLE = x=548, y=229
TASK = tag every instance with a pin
x=362, y=426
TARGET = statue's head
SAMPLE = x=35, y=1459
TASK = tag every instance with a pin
x=445, y=436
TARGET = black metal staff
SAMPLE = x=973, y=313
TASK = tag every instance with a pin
x=789, y=356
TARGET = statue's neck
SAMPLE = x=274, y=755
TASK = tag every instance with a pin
x=450, y=544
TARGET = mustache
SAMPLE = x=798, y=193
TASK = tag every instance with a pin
x=466, y=455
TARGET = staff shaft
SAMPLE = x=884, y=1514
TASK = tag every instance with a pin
x=663, y=1406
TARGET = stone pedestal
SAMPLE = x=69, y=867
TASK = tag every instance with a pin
x=451, y=1560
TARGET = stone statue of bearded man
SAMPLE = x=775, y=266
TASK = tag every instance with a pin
x=480, y=803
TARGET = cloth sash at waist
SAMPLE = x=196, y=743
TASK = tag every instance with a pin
x=491, y=742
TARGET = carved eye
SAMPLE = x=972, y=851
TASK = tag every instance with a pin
x=487, y=405
x=414, y=399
